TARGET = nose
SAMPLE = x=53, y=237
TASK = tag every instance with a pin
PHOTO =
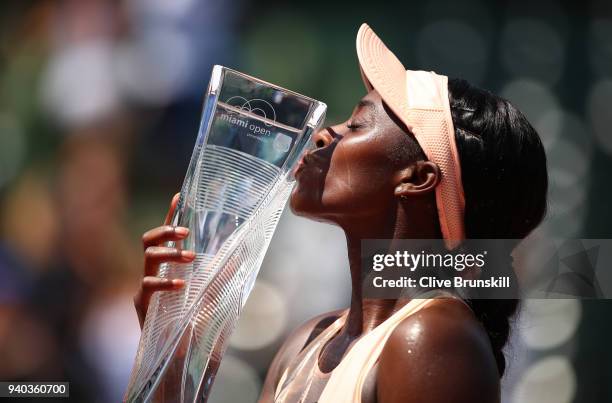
x=323, y=137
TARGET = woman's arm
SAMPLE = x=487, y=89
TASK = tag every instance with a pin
x=440, y=354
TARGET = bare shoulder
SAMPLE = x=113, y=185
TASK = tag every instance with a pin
x=439, y=354
x=290, y=349
x=299, y=336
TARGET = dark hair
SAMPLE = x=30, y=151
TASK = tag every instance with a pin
x=503, y=169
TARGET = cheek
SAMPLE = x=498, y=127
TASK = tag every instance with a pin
x=359, y=177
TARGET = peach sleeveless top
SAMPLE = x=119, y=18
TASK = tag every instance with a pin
x=303, y=381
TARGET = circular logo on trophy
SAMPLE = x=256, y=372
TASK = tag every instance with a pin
x=255, y=106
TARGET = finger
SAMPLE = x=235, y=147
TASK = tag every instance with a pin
x=152, y=284
x=148, y=287
x=170, y=213
x=157, y=236
x=154, y=255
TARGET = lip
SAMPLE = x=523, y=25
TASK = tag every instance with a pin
x=300, y=167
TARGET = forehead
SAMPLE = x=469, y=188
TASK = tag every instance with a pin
x=379, y=110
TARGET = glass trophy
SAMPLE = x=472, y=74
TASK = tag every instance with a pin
x=251, y=136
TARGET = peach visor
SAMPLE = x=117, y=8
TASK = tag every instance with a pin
x=420, y=101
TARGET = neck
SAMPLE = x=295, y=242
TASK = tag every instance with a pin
x=366, y=313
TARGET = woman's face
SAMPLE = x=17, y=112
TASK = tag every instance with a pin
x=354, y=168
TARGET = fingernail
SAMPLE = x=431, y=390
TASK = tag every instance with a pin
x=181, y=231
x=187, y=254
x=177, y=282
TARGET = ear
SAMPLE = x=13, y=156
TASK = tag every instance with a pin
x=418, y=179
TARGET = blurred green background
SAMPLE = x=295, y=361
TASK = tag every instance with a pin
x=99, y=107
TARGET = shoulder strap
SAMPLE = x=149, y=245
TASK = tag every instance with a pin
x=346, y=381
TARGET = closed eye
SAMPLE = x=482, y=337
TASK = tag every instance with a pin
x=354, y=126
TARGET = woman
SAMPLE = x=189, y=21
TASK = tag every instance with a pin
x=420, y=157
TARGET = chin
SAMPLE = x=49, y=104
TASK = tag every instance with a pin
x=298, y=202
x=304, y=203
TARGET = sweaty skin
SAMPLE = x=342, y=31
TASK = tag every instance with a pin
x=361, y=178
